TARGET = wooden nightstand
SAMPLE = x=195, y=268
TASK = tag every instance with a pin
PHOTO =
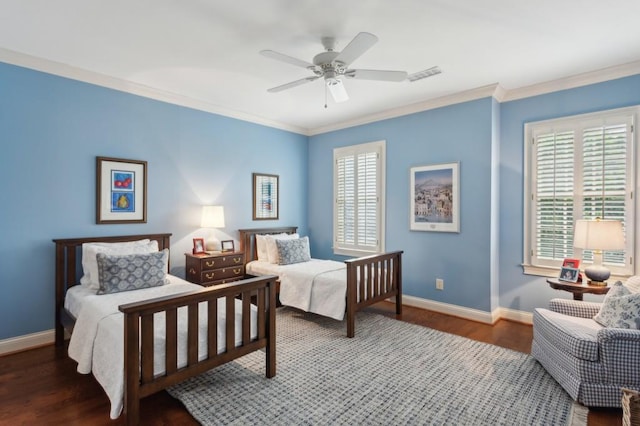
x=213, y=269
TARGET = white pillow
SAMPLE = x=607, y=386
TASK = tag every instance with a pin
x=261, y=248
x=633, y=284
x=272, y=249
x=90, y=263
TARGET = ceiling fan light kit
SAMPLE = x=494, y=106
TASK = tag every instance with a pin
x=332, y=65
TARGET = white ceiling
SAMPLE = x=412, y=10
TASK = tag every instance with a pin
x=205, y=52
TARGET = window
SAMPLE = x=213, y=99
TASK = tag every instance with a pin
x=580, y=167
x=358, y=188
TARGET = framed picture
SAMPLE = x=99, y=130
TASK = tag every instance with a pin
x=569, y=274
x=435, y=198
x=198, y=246
x=265, y=197
x=121, y=191
x=571, y=263
x=227, y=245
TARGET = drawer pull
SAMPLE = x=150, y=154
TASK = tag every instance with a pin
x=209, y=263
x=237, y=271
x=192, y=271
x=237, y=260
x=210, y=275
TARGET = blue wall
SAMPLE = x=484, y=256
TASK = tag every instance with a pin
x=519, y=291
x=461, y=132
x=52, y=129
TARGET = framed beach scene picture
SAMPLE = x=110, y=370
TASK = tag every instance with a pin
x=435, y=198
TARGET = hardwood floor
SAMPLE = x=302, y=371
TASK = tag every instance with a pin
x=41, y=386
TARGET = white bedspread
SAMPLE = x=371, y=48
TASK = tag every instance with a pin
x=318, y=286
x=97, y=340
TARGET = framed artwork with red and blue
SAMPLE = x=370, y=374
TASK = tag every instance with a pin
x=121, y=190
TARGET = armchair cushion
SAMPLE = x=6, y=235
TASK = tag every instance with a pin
x=573, y=335
x=620, y=308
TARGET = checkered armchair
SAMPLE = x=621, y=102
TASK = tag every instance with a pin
x=591, y=362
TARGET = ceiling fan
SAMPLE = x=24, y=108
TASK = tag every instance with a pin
x=331, y=65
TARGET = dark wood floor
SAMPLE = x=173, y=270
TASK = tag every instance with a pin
x=41, y=386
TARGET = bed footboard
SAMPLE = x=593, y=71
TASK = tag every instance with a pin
x=372, y=279
x=139, y=336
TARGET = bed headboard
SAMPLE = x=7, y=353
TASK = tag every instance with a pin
x=248, y=239
x=68, y=254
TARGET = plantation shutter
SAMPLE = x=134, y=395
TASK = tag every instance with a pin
x=581, y=169
x=358, y=205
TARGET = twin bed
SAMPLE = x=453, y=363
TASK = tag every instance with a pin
x=328, y=288
x=162, y=335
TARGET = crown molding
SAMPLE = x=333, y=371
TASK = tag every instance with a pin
x=460, y=97
x=493, y=90
x=63, y=70
x=578, y=80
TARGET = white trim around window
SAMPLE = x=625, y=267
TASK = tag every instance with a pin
x=579, y=167
x=359, y=199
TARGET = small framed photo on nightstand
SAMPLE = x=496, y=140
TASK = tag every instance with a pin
x=198, y=246
x=226, y=246
x=571, y=263
x=569, y=274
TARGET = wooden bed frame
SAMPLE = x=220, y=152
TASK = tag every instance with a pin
x=383, y=272
x=139, y=380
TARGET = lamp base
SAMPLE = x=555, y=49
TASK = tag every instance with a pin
x=597, y=275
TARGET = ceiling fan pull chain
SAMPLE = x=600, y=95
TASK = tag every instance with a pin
x=325, y=96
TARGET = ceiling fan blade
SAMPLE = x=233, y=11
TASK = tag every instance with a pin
x=286, y=58
x=360, y=44
x=376, y=75
x=292, y=84
x=338, y=92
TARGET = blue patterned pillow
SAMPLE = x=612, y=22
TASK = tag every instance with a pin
x=131, y=272
x=293, y=251
x=620, y=308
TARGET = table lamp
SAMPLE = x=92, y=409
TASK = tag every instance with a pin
x=598, y=235
x=212, y=217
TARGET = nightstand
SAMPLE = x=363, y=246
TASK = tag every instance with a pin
x=216, y=268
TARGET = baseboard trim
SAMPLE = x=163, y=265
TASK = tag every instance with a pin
x=514, y=315
x=469, y=313
x=28, y=341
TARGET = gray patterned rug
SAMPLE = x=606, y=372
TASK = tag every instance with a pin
x=391, y=373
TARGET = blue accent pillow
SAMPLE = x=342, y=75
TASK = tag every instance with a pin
x=293, y=251
x=117, y=273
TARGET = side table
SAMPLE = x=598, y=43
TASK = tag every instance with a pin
x=578, y=289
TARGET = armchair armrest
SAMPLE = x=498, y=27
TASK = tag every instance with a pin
x=574, y=308
x=620, y=355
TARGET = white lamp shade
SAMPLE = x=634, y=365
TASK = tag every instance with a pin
x=212, y=217
x=598, y=235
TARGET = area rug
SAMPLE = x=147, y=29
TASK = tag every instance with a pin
x=391, y=373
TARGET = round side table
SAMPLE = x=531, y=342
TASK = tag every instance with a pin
x=578, y=289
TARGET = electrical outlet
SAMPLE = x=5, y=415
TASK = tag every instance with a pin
x=439, y=284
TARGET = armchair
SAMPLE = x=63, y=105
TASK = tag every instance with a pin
x=591, y=362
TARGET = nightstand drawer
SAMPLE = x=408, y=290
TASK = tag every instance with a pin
x=222, y=273
x=222, y=261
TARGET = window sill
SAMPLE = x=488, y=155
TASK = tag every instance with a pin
x=550, y=272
